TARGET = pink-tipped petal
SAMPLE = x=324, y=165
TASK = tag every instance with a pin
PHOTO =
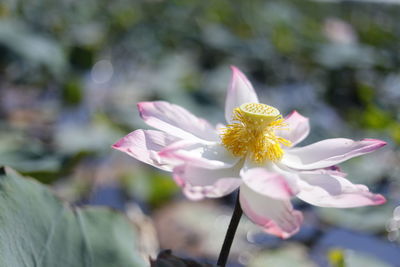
x=198, y=183
x=176, y=121
x=271, y=184
x=326, y=190
x=212, y=156
x=276, y=216
x=297, y=129
x=240, y=91
x=144, y=145
x=328, y=152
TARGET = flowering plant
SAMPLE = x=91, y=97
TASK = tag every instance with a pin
x=256, y=152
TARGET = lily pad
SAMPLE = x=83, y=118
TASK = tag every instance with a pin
x=290, y=255
x=37, y=229
x=354, y=218
x=353, y=259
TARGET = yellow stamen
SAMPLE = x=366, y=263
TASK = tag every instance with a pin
x=253, y=133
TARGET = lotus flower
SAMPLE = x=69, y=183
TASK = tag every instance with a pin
x=255, y=151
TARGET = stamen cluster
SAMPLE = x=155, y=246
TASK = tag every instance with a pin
x=252, y=133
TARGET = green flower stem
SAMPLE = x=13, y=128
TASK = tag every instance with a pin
x=230, y=233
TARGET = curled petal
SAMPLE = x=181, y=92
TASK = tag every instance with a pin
x=333, y=170
x=298, y=128
x=144, y=145
x=176, y=121
x=198, y=182
x=267, y=183
x=327, y=190
x=276, y=216
x=328, y=152
x=240, y=91
x=206, y=155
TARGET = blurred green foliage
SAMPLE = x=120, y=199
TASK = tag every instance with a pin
x=154, y=188
x=339, y=47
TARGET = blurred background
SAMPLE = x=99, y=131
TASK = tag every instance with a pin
x=71, y=73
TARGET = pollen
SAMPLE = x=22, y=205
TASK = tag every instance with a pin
x=252, y=133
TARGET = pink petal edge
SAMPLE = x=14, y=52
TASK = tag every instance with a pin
x=328, y=152
x=330, y=190
x=269, y=226
x=240, y=91
x=297, y=130
x=144, y=146
x=176, y=121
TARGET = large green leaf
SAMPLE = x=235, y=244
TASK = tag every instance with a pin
x=37, y=229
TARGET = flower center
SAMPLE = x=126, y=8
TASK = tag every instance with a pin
x=252, y=133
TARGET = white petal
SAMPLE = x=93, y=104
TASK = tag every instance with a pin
x=265, y=182
x=199, y=182
x=327, y=190
x=297, y=129
x=207, y=155
x=328, y=152
x=144, y=145
x=276, y=216
x=176, y=121
x=240, y=91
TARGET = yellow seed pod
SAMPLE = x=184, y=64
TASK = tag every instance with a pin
x=259, y=113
